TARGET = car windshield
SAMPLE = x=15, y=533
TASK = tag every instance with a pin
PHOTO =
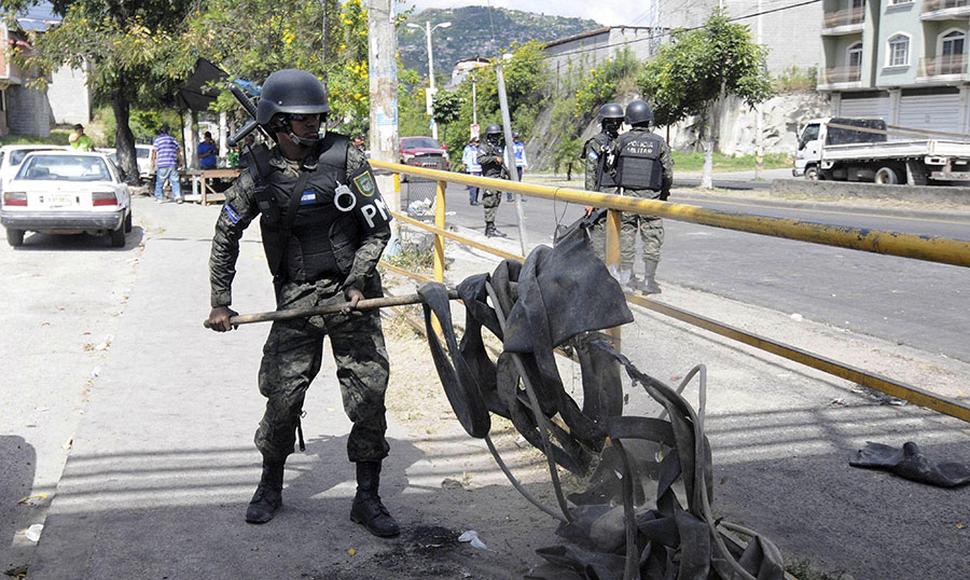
x=17, y=155
x=420, y=142
x=64, y=168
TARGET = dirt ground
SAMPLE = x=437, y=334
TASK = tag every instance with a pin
x=469, y=490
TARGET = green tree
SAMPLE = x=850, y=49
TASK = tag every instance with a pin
x=130, y=47
x=446, y=107
x=698, y=69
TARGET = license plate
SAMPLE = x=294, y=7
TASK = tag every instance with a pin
x=61, y=200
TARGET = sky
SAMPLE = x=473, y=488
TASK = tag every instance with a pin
x=610, y=12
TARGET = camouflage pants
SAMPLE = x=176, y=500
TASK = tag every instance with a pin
x=491, y=199
x=292, y=357
x=649, y=228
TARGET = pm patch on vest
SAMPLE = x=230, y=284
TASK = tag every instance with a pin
x=363, y=199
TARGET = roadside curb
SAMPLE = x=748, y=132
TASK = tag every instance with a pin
x=827, y=206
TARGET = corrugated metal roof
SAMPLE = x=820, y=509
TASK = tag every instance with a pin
x=38, y=18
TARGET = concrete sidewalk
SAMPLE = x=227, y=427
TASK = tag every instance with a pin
x=163, y=463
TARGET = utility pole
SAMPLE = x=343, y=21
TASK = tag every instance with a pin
x=759, y=155
x=429, y=95
x=503, y=104
x=383, y=135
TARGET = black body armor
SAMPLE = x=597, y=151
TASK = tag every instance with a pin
x=599, y=145
x=333, y=212
x=638, y=164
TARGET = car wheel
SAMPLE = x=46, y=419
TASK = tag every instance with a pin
x=117, y=237
x=886, y=176
x=811, y=173
x=15, y=237
x=128, y=222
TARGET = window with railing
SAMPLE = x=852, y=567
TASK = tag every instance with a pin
x=849, y=16
x=934, y=5
x=842, y=74
x=950, y=64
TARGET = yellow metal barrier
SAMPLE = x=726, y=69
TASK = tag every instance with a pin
x=943, y=250
x=956, y=254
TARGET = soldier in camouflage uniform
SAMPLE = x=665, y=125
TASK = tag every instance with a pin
x=491, y=156
x=324, y=227
x=596, y=154
x=642, y=167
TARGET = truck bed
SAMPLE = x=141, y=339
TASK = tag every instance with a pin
x=918, y=148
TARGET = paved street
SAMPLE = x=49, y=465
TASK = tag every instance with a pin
x=905, y=301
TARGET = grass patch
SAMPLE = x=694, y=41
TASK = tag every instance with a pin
x=694, y=161
x=57, y=137
x=413, y=259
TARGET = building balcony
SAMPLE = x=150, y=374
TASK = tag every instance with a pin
x=840, y=77
x=944, y=9
x=951, y=67
x=848, y=21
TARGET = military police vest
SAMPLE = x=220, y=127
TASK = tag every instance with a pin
x=598, y=150
x=638, y=164
x=334, y=211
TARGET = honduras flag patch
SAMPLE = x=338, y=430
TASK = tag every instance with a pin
x=309, y=197
x=231, y=213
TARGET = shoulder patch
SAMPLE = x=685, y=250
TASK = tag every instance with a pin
x=365, y=184
x=231, y=214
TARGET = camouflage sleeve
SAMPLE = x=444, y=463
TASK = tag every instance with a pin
x=667, y=162
x=239, y=210
x=486, y=158
x=374, y=241
x=592, y=161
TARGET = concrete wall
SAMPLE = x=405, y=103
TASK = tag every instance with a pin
x=70, y=99
x=28, y=112
x=845, y=190
x=738, y=124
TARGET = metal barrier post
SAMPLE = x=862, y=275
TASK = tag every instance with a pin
x=613, y=220
x=439, y=241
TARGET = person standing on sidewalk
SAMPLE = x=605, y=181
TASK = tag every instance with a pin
x=642, y=167
x=324, y=227
x=596, y=156
x=491, y=156
x=521, y=164
x=469, y=158
x=165, y=161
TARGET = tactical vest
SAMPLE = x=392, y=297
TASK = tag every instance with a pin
x=600, y=143
x=638, y=164
x=323, y=240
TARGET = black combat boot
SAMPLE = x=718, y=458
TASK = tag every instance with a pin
x=268, y=498
x=492, y=232
x=650, y=285
x=368, y=510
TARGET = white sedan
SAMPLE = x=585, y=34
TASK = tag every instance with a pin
x=66, y=192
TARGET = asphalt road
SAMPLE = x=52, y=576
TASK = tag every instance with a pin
x=920, y=304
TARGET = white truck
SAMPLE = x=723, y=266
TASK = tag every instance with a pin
x=844, y=149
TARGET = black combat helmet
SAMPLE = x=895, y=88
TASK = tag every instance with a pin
x=611, y=111
x=639, y=113
x=493, y=134
x=291, y=91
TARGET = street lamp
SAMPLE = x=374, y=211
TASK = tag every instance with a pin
x=428, y=29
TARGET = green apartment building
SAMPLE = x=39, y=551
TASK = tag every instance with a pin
x=904, y=61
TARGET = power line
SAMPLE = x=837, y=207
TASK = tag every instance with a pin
x=672, y=32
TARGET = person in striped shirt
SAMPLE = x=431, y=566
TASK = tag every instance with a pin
x=165, y=160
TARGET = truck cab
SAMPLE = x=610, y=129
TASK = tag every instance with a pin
x=808, y=151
